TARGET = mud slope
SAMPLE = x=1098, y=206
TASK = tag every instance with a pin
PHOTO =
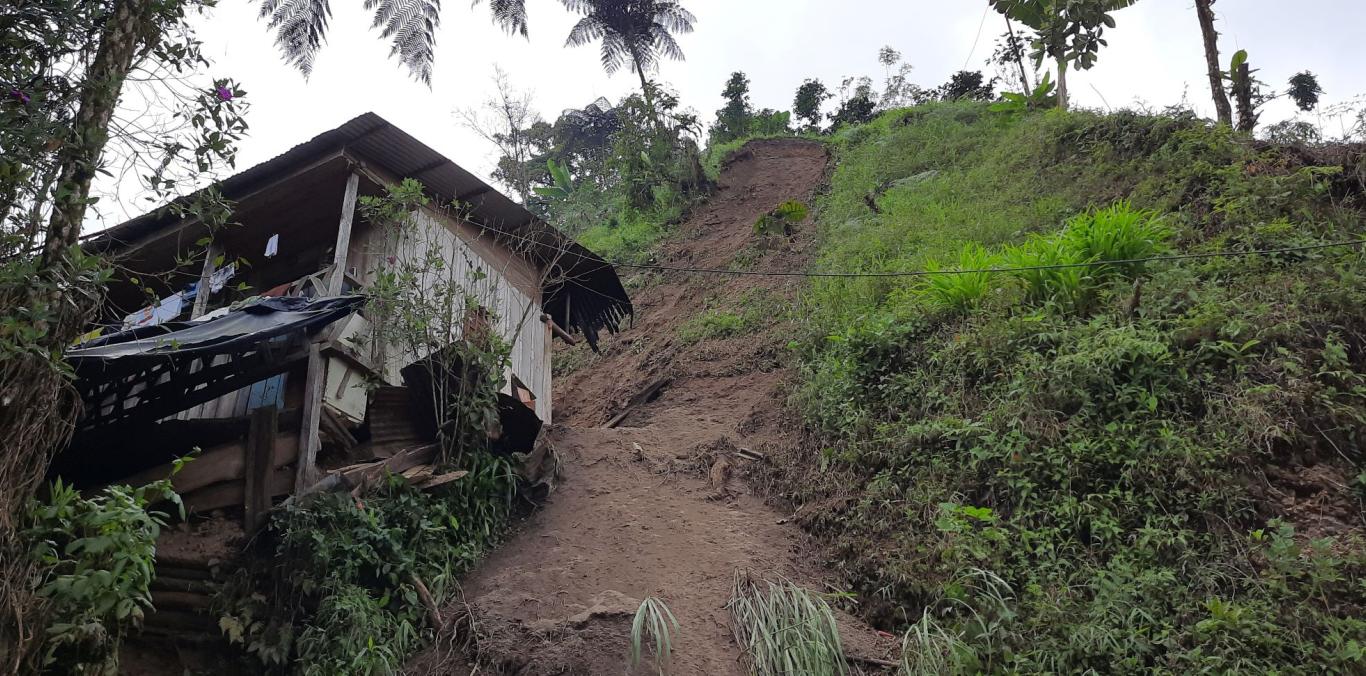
x=656, y=507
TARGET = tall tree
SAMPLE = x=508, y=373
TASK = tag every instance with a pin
x=733, y=119
x=807, y=104
x=1067, y=31
x=508, y=121
x=1204, y=10
x=632, y=32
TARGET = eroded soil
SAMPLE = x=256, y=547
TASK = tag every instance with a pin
x=659, y=506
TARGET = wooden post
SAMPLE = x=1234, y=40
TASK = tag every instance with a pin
x=201, y=299
x=348, y=214
x=260, y=461
x=306, y=471
x=309, y=441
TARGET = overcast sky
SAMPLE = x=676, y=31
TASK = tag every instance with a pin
x=1155, y=56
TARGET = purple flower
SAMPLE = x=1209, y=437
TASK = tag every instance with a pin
x=19, y=96
x=224, y=94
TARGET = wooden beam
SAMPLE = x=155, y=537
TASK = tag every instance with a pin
x=201, y=299
x=260, y=460
x=309, y=441
x=348, y=214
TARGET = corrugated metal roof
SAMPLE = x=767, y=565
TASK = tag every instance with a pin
x=589, y=298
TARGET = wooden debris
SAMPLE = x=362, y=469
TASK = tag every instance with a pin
x=559, y=332
x=641, y=398
x=433, y=613
x=750, y=455
x=336, y=430
x=441, y=480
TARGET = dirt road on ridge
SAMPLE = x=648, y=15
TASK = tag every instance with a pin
x=656, y=507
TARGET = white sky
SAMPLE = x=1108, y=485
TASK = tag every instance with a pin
x=1155, y=55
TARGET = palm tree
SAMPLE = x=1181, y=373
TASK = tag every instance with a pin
x=1205, y=12
x=637, y=32
x=410, y=26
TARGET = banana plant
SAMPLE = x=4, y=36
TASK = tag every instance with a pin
x=561, y=187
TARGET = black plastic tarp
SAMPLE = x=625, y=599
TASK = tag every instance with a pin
x=239, y=329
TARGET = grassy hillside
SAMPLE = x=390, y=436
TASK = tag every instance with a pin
x=1121, y=467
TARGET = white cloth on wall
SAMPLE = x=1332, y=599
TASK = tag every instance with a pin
x=220, y=277
x=165, y=310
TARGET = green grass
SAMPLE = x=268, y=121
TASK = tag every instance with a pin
x=752, y=312
x=1110, y=460
x=784, y=629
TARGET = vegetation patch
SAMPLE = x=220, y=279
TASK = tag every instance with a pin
x=1109, y=466
x=339, y=589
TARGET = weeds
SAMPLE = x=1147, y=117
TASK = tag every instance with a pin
x=654, y=622
x=1115, y=233
x=1096, y=460
x=784, y=629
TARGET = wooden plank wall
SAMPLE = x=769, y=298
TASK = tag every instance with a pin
x=507, y=287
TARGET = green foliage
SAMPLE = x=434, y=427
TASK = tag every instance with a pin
x=1042, y=97
x=339, y=593
x=561, y=187
x=811, y=95
x=1028, y=490
x=756, y=310
x=1115, y=233
x=654, y=622
x=966, y=85
x=1304, y=90
x=963, y=288
x=734, y=119
x=782, y=218
x=95, y=557
x=1067, y=30
x=785, y=629
x=644, y=172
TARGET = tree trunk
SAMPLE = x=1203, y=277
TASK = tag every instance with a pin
x=79, y=156
x=1205, y=11
x=1019, y=58
x=1062, y=84
x=1242, y=91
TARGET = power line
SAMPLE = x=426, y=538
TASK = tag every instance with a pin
x=1023, y=268
x=927, y=273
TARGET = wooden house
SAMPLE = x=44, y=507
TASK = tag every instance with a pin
x=204, y=329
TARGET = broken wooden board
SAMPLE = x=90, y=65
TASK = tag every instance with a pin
x=227, y=462
x=641, y=398
x=233, y=493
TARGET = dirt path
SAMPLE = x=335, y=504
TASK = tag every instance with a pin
x=652, y=508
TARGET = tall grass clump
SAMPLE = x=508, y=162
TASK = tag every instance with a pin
x=655, y=623
x=784, y=629
x=962, y=288
x=1052, y=273
x=1118, y=232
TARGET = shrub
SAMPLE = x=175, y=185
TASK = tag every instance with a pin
x=95, y=556
x=339, y=594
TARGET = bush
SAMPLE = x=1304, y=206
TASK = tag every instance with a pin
x=339, y=594
x=95, y=556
